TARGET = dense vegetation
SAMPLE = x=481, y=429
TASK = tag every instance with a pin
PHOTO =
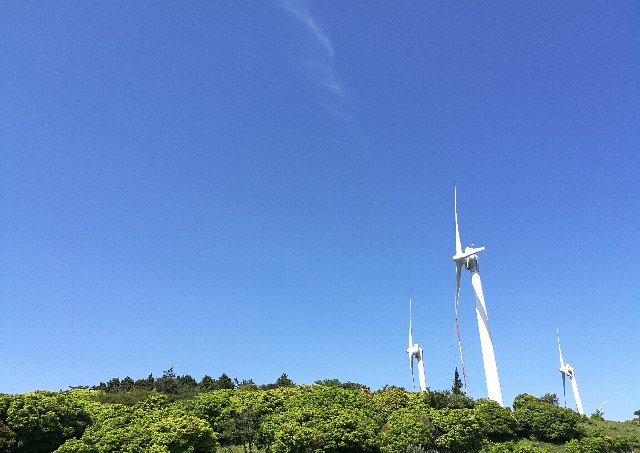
x=177, y=414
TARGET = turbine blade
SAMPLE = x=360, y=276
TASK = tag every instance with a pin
x=455, y=208
x=560, y=350
x=410, y=315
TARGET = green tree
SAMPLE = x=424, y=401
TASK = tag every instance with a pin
x=545, y=421
x=441, y=399
x=127, y=384
x=388, y=400
x=331, y=429
x=407, y=426
x=500, y=425
x=7, y=439
x=146, y=384
x=601, y=443
x=212, y=407
x=457, y=430
x=42, y=421
x=150, y=426
x=284, y=381
x=224, y=382
x=550, y=398
x=321, y=418
x=456, y=389
x=168, y=383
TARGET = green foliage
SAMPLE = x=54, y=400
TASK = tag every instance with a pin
x=42, y=421
x=457, y=430
x=499, y=421
x=321, y=418
x=5, y=402
x=329, y=417
x=545, y=421
x=550, y=398
x=128, y=398
x=598, y=442
x=282, y=381
x=388, y=400
x=456, y=388
x=345, y=385
x=150, y=426
x=407, y=427
x=210, y=407
x=444, y=399
x=7, y=439
x=523, y=446
x=324, y=430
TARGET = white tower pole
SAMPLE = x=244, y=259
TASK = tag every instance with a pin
x=423, y=381
x=488, y=354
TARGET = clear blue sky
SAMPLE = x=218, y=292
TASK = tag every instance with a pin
x=253, y=188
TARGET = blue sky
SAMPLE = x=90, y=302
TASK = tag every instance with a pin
x=254, y=188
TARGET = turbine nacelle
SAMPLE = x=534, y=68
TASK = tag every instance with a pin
x=414, y=351
x=567, y=370
x=469, y=252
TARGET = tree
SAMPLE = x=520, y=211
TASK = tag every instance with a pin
x=406, y=427
x=550, y=398
x=440, y=399
x=144, y=427
x=388, y=400
x=499, y=421
x=334, y=429
x=225, y=382
x=457, y=430
x=207, y=384
x=42, y=421
x=320, y=418
x=7, y=439
x=545, y=421
x=284, y=381
x=146, y=384
x=456, y=389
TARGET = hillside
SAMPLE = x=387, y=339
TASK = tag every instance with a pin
x=172, y=414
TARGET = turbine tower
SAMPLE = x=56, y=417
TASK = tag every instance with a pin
x=415, y=351
x=567, y=370
x=469, y=259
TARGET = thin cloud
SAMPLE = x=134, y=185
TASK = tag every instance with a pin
x=323, y=74
x=320, y=68
x=304, y=16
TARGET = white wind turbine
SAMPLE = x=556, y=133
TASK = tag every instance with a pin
x=567, y=370
x=414, y=350
x=469, y=259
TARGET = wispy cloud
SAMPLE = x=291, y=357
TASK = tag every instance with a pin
x=319, y=68
x=298, y=10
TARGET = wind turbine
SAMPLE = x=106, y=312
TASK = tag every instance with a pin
x=415, y=351
x=567, y=370
x=469, y=259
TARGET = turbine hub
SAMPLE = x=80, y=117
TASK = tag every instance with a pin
x=471, y=262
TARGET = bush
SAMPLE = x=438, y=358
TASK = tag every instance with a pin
x=545, y=421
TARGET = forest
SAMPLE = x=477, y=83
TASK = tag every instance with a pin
x=177, y=414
